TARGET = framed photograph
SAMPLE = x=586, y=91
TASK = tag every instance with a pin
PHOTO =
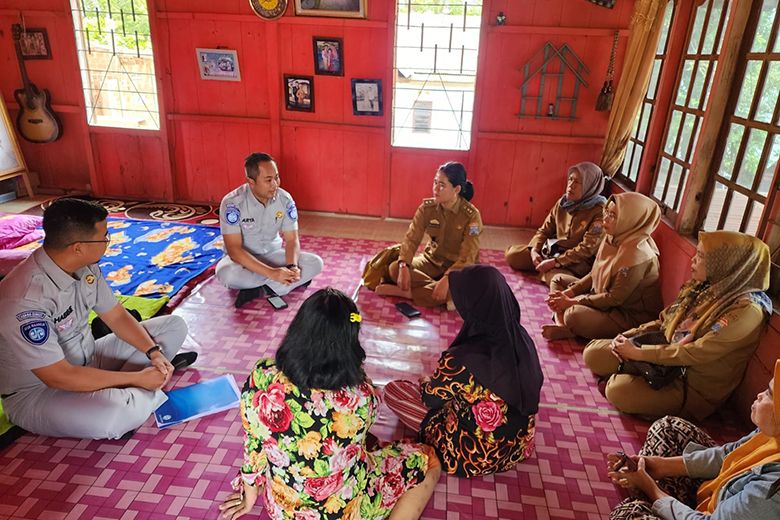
x=328, y=56
x=332, y=8
x=367, y=97
x=35, y=44
x=299, y=92
x=219, y=64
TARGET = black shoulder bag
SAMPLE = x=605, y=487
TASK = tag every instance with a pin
x=656, y=376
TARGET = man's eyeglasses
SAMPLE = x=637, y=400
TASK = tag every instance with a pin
x=106, y=240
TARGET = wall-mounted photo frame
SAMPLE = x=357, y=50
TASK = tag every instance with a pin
x=218, y=64
x=299, y=93
x=328, y=56
x=367, y=97
x=331, y=8
x=34, y=44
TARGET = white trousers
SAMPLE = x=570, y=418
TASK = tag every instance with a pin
x=236, y=276
x=103, y=414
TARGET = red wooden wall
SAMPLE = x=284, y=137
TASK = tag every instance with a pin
x=330, y=160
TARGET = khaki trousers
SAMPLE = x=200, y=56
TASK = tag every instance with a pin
x=627, y=393
x=424, y=275
x=519, y=259
x=588, y=322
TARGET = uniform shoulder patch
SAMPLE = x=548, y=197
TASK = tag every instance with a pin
x=35, y=332
x=232, y=214
x=292, y=211
x=31, y=315
x=474, y=229
x=596, y=229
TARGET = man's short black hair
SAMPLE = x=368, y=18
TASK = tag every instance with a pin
x=321, y=348
x=67, y=221
x=252, y=163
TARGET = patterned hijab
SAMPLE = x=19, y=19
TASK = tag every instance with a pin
x=736, y=266
x=630, y=244
x=592, y=179
x=761, y=449
x=492, y=344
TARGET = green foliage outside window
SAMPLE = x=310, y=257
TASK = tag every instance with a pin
x=101, y=16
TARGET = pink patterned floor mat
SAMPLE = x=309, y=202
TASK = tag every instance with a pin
x=184, y=472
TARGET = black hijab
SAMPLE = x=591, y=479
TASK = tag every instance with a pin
x=492, y=344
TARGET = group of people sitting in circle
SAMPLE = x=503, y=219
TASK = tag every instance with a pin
x=307, y=412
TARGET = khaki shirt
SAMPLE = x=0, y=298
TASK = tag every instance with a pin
x=454, y=234
x=579, y=233
x=44, y=318
x=634, y=291
x=717, y=360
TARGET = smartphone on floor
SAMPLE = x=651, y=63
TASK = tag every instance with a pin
x=277, y=302
x=407, y=310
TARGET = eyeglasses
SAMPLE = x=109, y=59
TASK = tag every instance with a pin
x=106, y=240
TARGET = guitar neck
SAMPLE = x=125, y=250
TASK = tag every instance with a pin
x=22, y=68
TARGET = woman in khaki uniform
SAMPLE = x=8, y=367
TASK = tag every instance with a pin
x=453, y=225
x=713, y=328
x=622, y=289
x=572, y=232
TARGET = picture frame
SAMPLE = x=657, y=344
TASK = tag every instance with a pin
x=367, y=97
x=328, y=56
x=299, y=93
x=34, y=44
x=331, y=8
x=218, y=64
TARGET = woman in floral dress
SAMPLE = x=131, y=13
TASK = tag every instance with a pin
x=306, y=415
x=477, y=410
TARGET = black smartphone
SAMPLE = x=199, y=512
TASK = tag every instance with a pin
x=624, y=461
x=407, y=310
x=277, y=302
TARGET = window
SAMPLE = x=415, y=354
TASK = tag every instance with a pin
x=636, y=141
x=705, y=37
x=117, y=67
x=436, y=47
x=750, y=139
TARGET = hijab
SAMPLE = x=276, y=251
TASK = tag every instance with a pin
x=736, y=266
x=761, y=449
x=492, y=344
x=630, y=244
x=592, y=179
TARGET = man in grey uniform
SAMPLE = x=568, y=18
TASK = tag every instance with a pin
x=251, y=218
x=55, y=379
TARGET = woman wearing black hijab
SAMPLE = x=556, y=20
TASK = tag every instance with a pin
x=477, y=410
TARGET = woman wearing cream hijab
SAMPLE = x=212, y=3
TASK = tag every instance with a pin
x=680, y=477
x=621, y=291
x=712, y=328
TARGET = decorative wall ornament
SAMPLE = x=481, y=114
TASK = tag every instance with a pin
x=609, y=4
x=543, y=63
x=604, y=101
x=268, y=9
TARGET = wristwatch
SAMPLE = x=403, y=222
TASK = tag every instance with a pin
x=292, y=266
x=401, y=263
x=152, y=350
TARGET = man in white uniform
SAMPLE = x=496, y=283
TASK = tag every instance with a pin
x=252, y=217
x=55, y=379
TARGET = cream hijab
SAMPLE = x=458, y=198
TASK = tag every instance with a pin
x=630, y=244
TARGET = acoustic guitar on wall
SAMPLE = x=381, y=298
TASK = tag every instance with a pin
x=36, y=121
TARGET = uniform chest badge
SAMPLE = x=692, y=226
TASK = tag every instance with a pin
x=279, y=215
x=232, y=214
x=90, y=279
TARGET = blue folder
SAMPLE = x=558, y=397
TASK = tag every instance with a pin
x=198, y=400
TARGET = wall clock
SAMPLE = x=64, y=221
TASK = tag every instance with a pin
x=268, y=9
